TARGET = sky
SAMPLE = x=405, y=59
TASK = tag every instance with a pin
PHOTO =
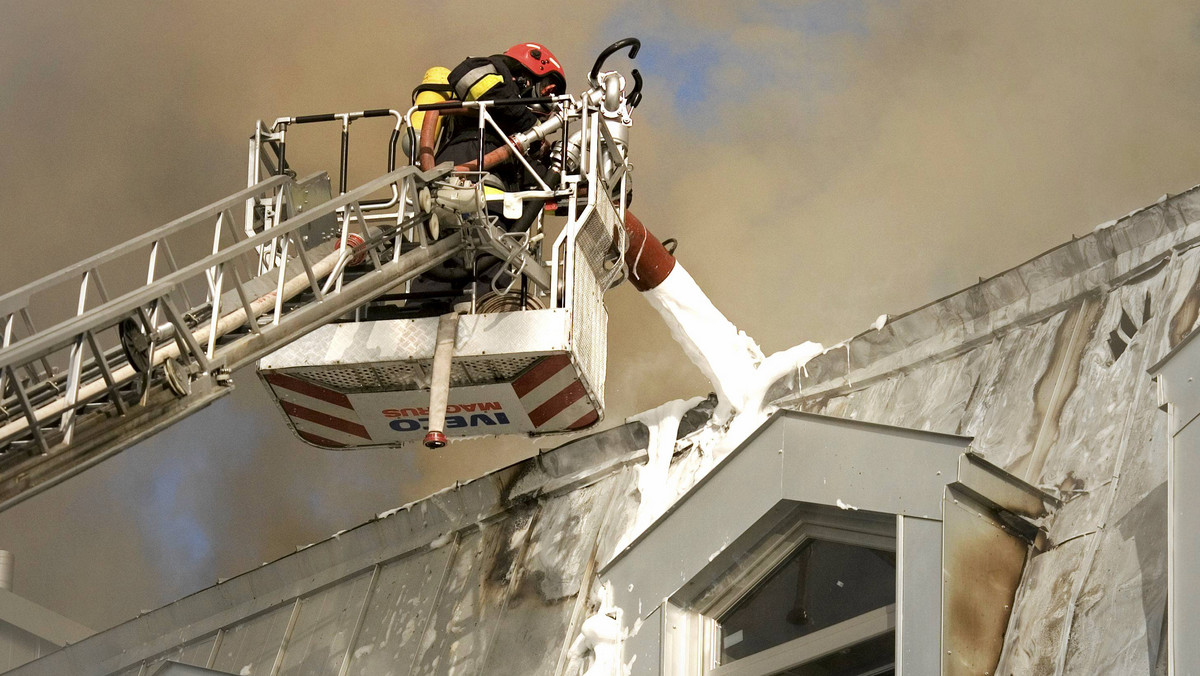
x=820, y=163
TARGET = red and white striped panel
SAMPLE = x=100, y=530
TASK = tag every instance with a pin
x=553, y=396
x=321, y=416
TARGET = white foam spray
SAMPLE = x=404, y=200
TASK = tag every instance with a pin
x=731, y=360
x=600, y=637
x=726, y=356
x=663, y=423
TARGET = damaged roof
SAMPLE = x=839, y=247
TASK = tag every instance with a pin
x=1044, y=365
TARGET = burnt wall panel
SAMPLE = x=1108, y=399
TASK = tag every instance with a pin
x=1118, y=616
x=1123, y=603
x=1107, y=460
x=1040, y=611
x=546, y=593
x=1018, y=391
x=463, y=623
x=981, y=567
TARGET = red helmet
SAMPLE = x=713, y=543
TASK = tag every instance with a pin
x=539, y=61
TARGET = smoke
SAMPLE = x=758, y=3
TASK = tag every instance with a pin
x=820, y=162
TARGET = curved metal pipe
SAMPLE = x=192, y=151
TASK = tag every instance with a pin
x=648, y=260
x=633, y=43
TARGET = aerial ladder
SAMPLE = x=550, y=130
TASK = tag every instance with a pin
x=323, y=286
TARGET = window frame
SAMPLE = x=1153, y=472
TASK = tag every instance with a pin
x=809, y=522
x=1177, y=376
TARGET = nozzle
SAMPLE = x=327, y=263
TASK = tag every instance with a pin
x=435, y=439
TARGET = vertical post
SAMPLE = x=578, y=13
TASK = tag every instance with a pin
x=439, y=381
x=74, y=368
x=344, y=169
x=5, y=341
x=105, y=372
x=27, y=408
x=482, y=111
x=283, y=150
x=918, y=596
x=211, y=273
x=29, y=333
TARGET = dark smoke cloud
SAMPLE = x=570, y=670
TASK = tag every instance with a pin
x=821, y=162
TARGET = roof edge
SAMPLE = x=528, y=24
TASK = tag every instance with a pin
x=1033, y=290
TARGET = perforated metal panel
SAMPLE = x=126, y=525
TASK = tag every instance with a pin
x=368, y=345
x=400, y=377
x=589, y=318
x=406, y=376
x=498, y=369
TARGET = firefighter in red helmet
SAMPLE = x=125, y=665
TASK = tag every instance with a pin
x=525, y=71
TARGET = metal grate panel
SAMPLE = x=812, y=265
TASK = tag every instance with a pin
x=500, y=369
x=405, y=376
x=589, y=321
x=402, y=376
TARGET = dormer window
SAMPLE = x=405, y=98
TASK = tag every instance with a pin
x=825, y=546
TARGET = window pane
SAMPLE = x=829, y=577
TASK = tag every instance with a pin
x=820, y=584
x=876, y=657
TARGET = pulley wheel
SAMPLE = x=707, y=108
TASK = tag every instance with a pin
x=177, y=377
x=135, y=343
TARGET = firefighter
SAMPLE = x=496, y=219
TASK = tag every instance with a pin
x=524, y=71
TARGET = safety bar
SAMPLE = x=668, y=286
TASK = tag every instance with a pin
x=277, y=134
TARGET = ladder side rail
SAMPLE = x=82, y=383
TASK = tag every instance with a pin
x=112, y=312
x=17, y=299
x=103, y=438
x=5, y=341
x=156, y=295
